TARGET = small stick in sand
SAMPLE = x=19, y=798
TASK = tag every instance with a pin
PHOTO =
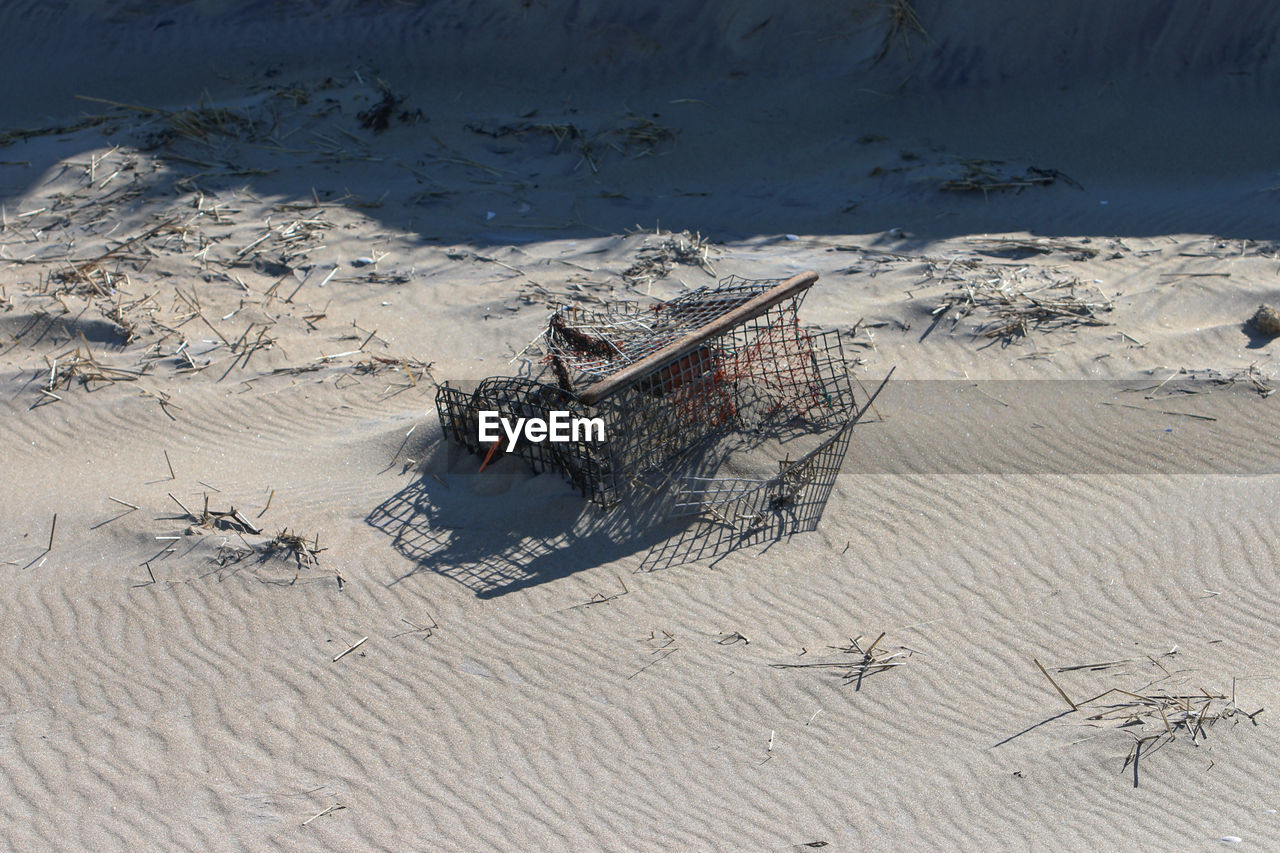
x=172, y=476
x=289, y=298
x=149, y=572
x=323, y=813
x=1132, y=338
x=357, y=644
x=669, y=653
x=52, y=528
x=1160, y=411
x=1167, y=727
x=194, y=517
x=238, y=517
x=1061, y=692
x=426, y=630
x=268, y=506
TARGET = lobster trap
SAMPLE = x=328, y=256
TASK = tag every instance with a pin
x=682, y=386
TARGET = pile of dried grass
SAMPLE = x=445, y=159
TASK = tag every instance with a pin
x=202, y=124
x=8, y=137
x=1009, y=312
x=80, y=365
x=902, y=23
x=1152, y=718
x=982, y=176
x=632, y=136
x=306, y=554
x=654, y=262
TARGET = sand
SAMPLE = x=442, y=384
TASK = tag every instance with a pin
x=262, y=292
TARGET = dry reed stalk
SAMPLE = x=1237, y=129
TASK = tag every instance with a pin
x=349, y=649
x=869, y=662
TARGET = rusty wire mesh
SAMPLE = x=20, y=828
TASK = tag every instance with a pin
x=765, y=377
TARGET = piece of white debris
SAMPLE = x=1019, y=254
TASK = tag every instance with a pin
x=361, y=262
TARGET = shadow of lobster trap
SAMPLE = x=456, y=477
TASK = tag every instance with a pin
x=719, y=400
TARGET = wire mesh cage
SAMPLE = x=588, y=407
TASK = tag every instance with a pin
x=678, y=384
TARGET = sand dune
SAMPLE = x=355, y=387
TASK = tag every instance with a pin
x=221, y=288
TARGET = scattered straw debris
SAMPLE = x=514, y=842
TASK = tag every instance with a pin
x=414, y=369
x=427, y=631
x=1184, y=381
x=661, y=647
x=279, y=245
x=231, y=519
x=297, y=546
x=983, y=176
x=867, y=660
x=8, y=137
x=602, y=598
x=1010, y=310
x=90, y=278
x=389, y=105
x=637, y=136
x=1017, y=247
x=655, y=262
x=201, y=124
x=1152, y=717
x=80, y=365
x=901, y=23
x=631, y=136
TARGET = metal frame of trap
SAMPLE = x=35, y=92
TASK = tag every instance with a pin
x=670, y=379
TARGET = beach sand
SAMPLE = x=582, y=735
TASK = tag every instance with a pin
x=224, y=286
